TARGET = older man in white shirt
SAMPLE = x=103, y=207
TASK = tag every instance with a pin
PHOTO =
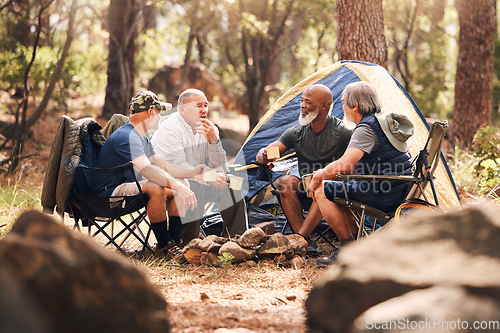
x=187, y=138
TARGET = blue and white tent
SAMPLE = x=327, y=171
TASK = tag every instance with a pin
x=285, y=112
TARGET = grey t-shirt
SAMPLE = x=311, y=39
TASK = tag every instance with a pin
x=364, y=138
x=317, y=150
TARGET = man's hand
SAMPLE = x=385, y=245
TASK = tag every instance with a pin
x=205, y=128
x=184, y=194
x=262, y=158
x=315, y=182
x=198, y=172
x=221, y=181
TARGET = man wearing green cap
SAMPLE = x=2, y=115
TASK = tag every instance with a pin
x=129, y=143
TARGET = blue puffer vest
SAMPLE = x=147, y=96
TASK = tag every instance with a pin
x=384, y=160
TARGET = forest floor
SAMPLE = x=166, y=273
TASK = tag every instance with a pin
x=260, y=299
x=264, y=298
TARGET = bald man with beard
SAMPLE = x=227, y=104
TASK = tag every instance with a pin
x=318, y=140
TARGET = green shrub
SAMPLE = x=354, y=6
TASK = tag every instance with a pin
x=487, y=141
x=462, y=167
x=226, y=260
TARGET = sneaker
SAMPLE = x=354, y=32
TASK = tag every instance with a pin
x=329, y=259
x=312, y=248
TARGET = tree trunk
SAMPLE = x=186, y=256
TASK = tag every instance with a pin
x=360, y=33
x=474, y=77
x=18, y=131
x=295, y=33
x=260, y=51
x=193, y=33
x=122, y=26
x=401, y=51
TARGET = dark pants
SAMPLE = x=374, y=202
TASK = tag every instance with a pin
x=231, y=206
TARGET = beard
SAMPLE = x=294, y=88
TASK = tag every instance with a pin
x=308, y=118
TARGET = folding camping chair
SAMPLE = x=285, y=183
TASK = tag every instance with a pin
x=104, y=212
x=425, y=164
x=284, y=164
x=127, y=212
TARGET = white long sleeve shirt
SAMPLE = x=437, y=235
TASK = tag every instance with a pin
x=175, y=141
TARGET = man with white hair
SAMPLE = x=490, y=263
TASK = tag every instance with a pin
x=371, y=151
x=318, y=140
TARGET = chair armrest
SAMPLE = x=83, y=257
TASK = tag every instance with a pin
x=358, y=206
x=379, y=177
x=128, y=165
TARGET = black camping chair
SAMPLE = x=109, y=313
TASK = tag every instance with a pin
x=425, y=164
x=127, y=212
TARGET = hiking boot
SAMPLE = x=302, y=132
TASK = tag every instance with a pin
x=181, y=244
x=168, y=252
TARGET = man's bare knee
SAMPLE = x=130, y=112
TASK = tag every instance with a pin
x=319, y=193
x=287, y=184
x=155, y=192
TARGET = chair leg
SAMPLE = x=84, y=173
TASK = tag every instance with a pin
x=146, y=240
x=130, y=227
x=286, y=224
x=322, y=235
x=133, y=228
x=110, y=239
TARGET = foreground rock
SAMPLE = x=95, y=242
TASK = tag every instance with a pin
x=16, y=307
x=74, y=284
x=439, y=309
x=459, y=249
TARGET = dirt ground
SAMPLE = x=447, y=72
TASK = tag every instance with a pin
x=200, y=299
x=259, y=299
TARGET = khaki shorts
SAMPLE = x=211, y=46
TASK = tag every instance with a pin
x=128, y=189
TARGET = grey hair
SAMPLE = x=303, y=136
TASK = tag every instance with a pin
x=363, y=94
x=188, y=93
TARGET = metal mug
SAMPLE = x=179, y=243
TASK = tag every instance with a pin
x=306, y=181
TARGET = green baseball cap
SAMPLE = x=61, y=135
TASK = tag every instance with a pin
x=145, y=100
